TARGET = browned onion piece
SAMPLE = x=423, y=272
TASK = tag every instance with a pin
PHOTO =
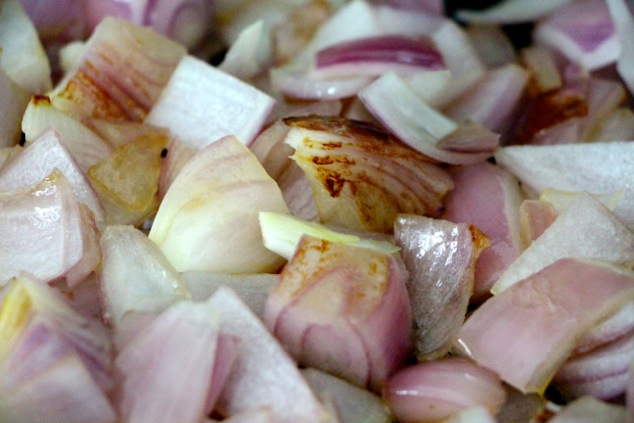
x=362, y=178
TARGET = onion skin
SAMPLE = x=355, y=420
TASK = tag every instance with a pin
x=432, y=391
x=344, y=310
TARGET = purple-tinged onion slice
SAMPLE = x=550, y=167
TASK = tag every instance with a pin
x=377, y=55
x=436, y=390
x=344, y=310
x=527, y=332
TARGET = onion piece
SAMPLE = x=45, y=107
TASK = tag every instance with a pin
x=612, y=328
x=261, y=360
x=297, y=193
x=178, y=154
x=121, y=74
x=248, y=56
x=440, y=258
x=406, y=115
x=37, y=161
x=595, y=167
x=14, y=102
x=159, y=378
x=429, y=85
x=85, y=146
x=598, y=235
x=541, y=63
x=488, y=197
x=494, y=100
x=624, y=22
x=135, y=276
x=513, y=11
x=56, y=21
x=493, y=46
x=377, y=55
x=281, y=234
x=601, y=372
x=436, y=390
x=588, y=409
x=353, y=167
x=460, y=58
x=211, y=189
x=582, y=31
x=342, y=309
x=203, y=104
x=48, y=211
x=127, y=181
x=568, y=297
x=23, y=57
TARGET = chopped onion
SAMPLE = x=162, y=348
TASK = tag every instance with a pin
x=526, y=332
x=440, y=257
x=343, y=310
x=582, y=31
x=436, y=390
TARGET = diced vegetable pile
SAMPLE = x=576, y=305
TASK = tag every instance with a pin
x=316, y=211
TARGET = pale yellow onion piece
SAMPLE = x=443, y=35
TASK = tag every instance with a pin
x=561, y=199
x=208, y=219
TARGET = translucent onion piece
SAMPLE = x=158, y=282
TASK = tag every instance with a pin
x=12, y=108
x=378, y=55
x=526, y=333
x=435, y=390
x=353, y=404
x=541, y=63
x=440, y=257
x=597, y=168
x=23, y=57
x=248, y=56
x=222, y=189
x=583, y=32
x=262, y=360
x=121, y=74
x=618, y=325
x=360, y=177
x=135, y=275
x=488, y=197
x=127, y=182
x=44, y=211
x=37, y=161
x=407, y=116
x=587, y=229
x=342, y=309
x=492, y=44
x=85, y=146
x=297, y=192
x=590, y=410
x=203, y=104
x=166, y=369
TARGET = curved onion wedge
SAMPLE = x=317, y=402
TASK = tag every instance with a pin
x=440, y=257
x=123, y=70
x=208, y=219
x=38, y=160
x=44, y=211
x=135, y=276
x=54, y=362
x=14, y=102
x=360, y=177
x=166, y=369
x=263, y=374
x=436, y=390
x=342, y=309
x=526, y=332
x=281, y=234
